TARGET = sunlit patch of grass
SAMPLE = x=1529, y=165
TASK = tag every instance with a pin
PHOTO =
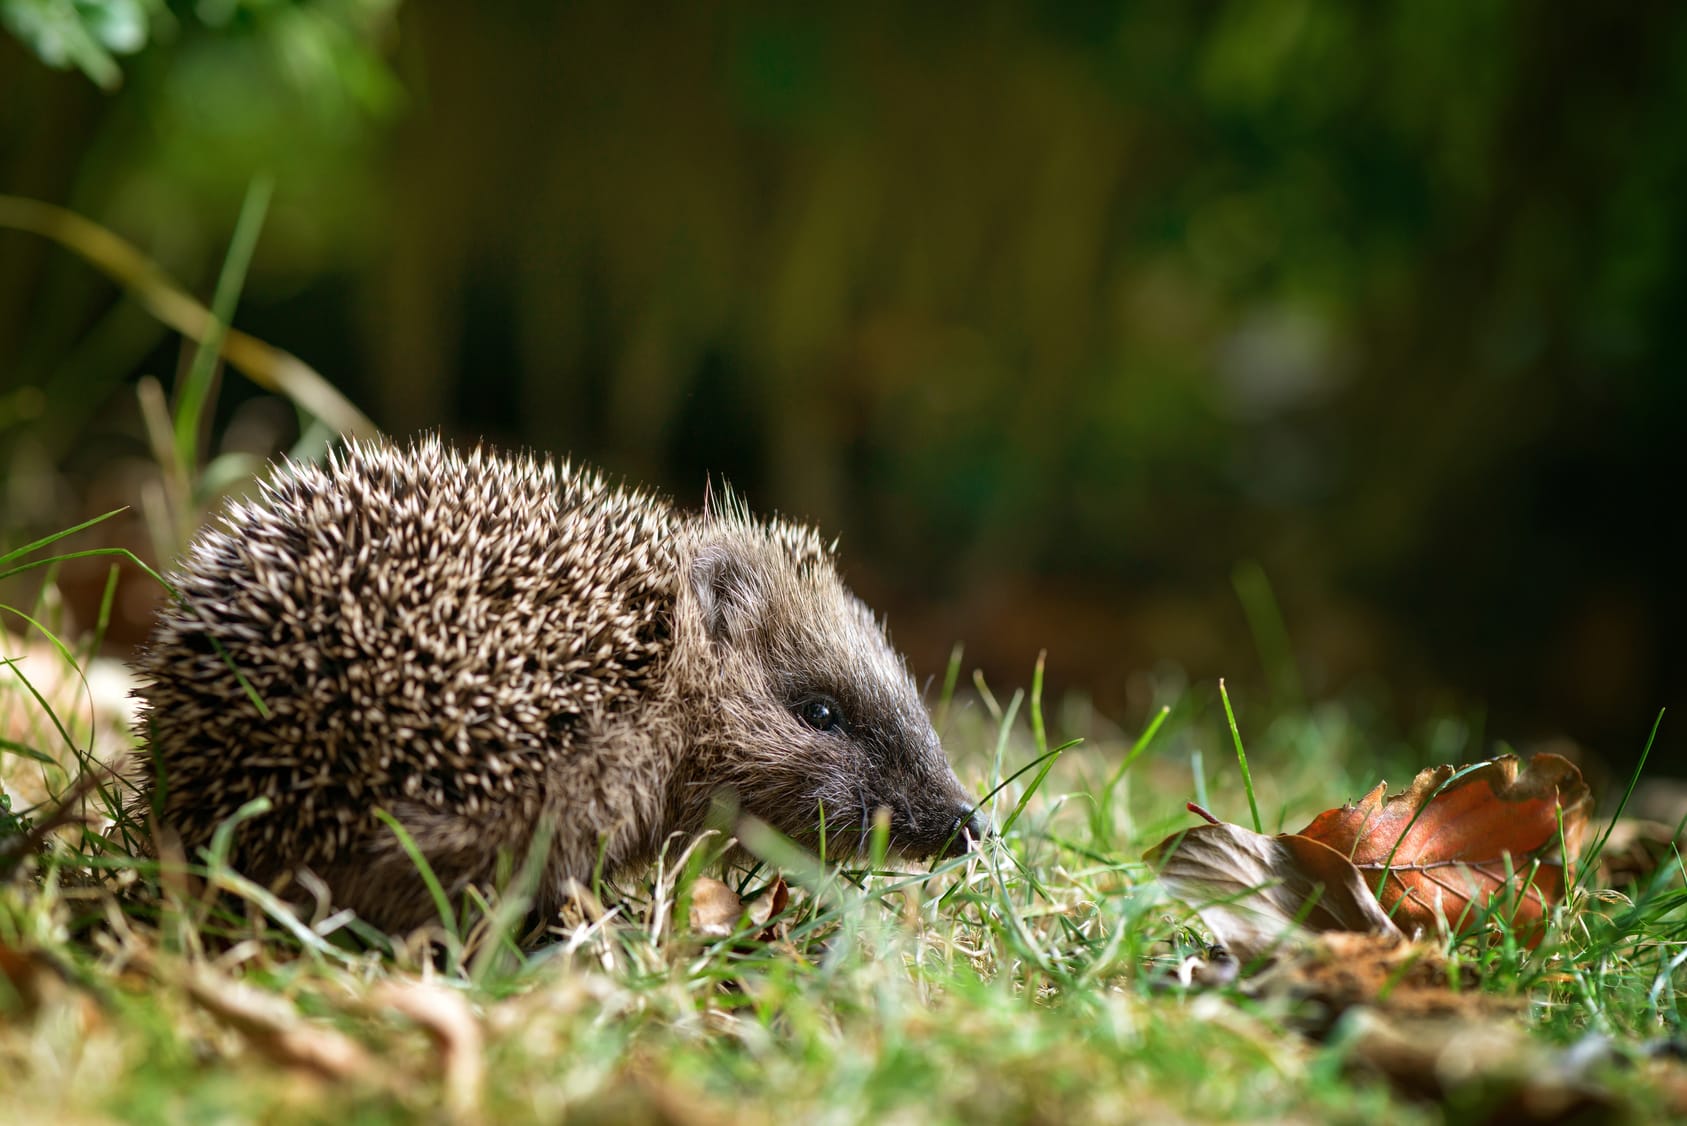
x=1028, y=980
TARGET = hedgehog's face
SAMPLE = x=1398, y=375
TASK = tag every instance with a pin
x=821, y=725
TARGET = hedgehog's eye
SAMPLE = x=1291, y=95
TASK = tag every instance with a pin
x=821, y=713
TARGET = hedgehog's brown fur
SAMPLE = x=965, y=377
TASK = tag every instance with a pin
x=483, y=645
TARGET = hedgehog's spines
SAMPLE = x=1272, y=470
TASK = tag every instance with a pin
x=329, y=600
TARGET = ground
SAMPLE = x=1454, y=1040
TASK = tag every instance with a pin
x=1047, y=977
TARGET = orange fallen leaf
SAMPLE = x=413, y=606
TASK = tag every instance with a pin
x=1457, y=841
x=1456, y=844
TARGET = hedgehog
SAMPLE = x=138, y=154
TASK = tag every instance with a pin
x=504, y=653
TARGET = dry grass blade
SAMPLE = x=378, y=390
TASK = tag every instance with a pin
x=274, y=1029
x=451, y=1024
x=68, y=809
x=266, y=365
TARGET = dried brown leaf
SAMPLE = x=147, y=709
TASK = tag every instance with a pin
x=717, y=911
x=1635, y=850
x=1256, y=892
x=1454, y=841
x=767, y=906
x=715, y=908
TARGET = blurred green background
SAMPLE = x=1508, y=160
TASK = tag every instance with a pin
x=1067, y=317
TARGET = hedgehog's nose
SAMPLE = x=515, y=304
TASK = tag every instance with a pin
x=970, y=829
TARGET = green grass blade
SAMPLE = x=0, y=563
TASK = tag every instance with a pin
x=1045, y=762
x=196, y=388
x=945, y=698
x=1137, y=749
x=1241, y=758
x=91, y=553
x=1592, y=856
x=29, y=548
x=441, y=901
x=1270, y=633
x=41, y=702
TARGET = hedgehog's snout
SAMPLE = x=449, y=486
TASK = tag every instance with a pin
x=969, y=830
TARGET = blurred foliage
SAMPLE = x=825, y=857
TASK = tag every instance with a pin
x=1058, y=312
x=324, y=46
x=86, y=34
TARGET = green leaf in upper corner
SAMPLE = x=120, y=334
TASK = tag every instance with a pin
x=86, y=34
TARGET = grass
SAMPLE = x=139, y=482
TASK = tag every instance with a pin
x=1031, y=981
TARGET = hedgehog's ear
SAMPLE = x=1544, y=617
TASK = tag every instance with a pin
x=721, y=582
